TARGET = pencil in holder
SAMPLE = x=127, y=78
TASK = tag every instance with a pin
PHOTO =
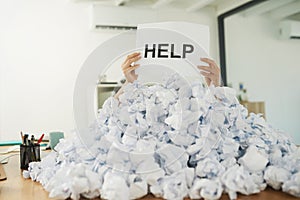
x=29, y=153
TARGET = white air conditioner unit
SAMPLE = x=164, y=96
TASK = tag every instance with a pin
x=120, y=17
x=289, y=29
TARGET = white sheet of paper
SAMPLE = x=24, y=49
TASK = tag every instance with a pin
x=172, y=47
x=197, y=32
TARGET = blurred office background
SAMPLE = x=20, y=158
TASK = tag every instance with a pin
x=43, y=44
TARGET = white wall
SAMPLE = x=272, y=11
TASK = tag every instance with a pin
x=42, y=47
x=268, y=67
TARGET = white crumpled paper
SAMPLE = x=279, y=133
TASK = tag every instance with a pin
x=172, y=140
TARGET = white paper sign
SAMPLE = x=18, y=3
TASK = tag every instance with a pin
x=170, y=47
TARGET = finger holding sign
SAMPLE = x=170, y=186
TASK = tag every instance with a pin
x=128, y=67
x=210, y=72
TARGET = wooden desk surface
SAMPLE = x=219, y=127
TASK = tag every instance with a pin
x=16, y=188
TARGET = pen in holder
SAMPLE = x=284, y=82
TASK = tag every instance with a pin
x=29, y=153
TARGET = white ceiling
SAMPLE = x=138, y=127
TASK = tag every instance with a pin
x=278, y=9
x=188, y=5
x=295, y=16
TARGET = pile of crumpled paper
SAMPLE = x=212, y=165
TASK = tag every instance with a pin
x=173, y=140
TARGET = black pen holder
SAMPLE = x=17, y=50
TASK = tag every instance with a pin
x=29, y=153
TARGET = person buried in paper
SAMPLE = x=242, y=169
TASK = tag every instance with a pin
x=210, y=72
x=174, y=140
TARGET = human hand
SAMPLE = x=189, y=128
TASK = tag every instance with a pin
x=129, y=69
x=211, y=72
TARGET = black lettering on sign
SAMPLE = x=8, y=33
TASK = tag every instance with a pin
x=187, y=48
x=167, y=51
x=160, y=50
x=149, y=50
x=172, y=52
